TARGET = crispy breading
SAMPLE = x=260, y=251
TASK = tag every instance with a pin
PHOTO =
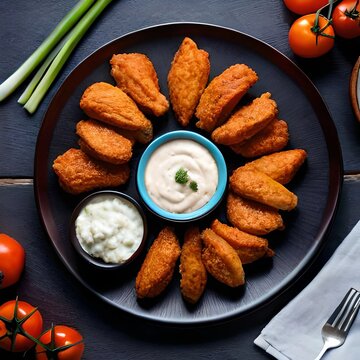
x=281, y=166
x=103, y=143
x=107, y=103
x=252, y=217
x=255, y=185
x=79, y=173
x=158, y=267
x=222, y=94
x=136, y=135
x=135, y=74
x=192, y=270
x=272, y=138
x=187, y=79
x=247, y=121
x=249, y=247
x=221, y=260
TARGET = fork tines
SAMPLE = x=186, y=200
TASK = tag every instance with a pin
x=345, y=313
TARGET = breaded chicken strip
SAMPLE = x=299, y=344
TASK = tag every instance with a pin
x=281, y=166
x=249, y=247
x=252, y=217
x=247, y=121
x=158, y=267
x=192, y=269
x=221, y=260
x=187, y=79
x=107, y=103
x=222, y=94
x=272, y=138
x=78, y=172
x=255, y=185
x=135, y=75
x=103, y=143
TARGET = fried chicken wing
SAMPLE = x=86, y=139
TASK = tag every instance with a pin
x=252, y=217
x=247, y=121
x=272, y=138
x=192, y=269
x=79, y=173
x=135, y=75
x=107, y=103
x=222, y=94
x=221, y=260
x=255, y=185
x=158, y=267
x=281, y=166
x=187, y=79
x=249, y=247
x=103, y=143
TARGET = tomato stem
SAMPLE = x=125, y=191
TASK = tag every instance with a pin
x=353, y=13
x=316, y=28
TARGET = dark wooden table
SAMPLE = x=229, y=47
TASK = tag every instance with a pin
x=111, y=334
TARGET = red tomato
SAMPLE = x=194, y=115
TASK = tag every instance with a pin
x=8, y=327
x=12, y=259
x=56, y=338
x=303, y=7
x=305, y=42
x=346, y=19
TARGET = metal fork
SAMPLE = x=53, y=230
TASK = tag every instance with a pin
x=335, y=330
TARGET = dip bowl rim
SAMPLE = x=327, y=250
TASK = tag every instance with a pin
x=95, y=262
x=214, y=201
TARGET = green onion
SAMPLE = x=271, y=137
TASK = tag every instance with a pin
x=74, y=37
x=12, y=82
x=39, y=74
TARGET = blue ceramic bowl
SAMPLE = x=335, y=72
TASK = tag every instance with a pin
x=222, y=177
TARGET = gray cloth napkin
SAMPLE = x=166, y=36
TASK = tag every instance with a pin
x=295, y=332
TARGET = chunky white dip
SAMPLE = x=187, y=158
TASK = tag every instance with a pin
x=161, y=170
x=110, y=228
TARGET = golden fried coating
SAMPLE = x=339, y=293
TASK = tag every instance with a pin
x=187, y=79
x=135, y=75
x=247, y=121
x=158, y=267
x=249, y=247
x=103, y=143
x=272, y=138
x=136, y=135
x=281, y=166
x=255, y=185
x=107, y=103
x=221, y=260
x=78, y=172
x=222, y=94
x=252, y=217
x=192, y=269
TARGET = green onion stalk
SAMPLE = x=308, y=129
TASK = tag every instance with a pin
x=17, y=78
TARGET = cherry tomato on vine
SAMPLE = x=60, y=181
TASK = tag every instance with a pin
x=17, y=317
x=60, y=342
x=346, y=19
x=12, y=260
x=308, y=39
x=303, y=7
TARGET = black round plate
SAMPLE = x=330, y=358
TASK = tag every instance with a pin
x=317, y=184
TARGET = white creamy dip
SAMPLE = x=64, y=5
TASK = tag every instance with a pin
x=162, y=167
x=110, y=228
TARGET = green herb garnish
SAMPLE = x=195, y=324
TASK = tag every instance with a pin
x=181, y=176
x=193, y=186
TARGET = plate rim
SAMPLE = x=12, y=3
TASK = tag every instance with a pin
x=335, y=174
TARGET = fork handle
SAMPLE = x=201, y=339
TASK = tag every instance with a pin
x=322, y=352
